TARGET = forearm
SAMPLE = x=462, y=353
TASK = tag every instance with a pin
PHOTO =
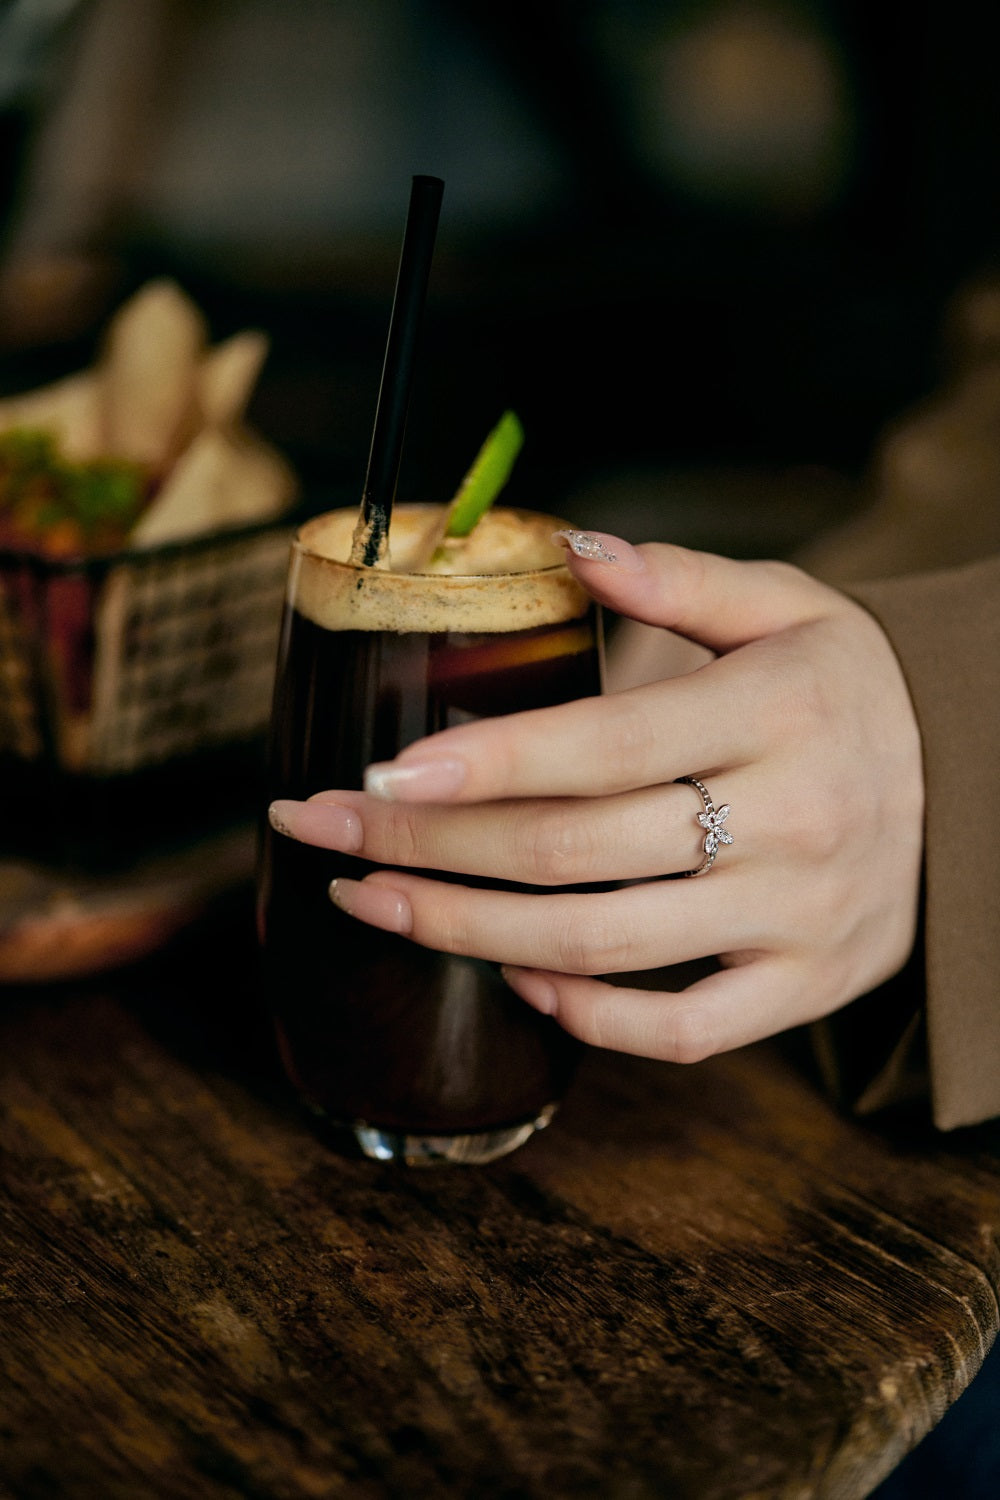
x=945, y=628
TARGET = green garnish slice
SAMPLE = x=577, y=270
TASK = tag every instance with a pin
x=486, y=478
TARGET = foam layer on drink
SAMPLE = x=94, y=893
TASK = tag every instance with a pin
x=508, y=575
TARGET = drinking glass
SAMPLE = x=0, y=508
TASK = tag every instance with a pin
x=409, y=1054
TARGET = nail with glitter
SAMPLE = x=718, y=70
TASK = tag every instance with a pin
x=598, y=546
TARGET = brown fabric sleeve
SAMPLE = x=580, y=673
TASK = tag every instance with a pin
x=945, y=629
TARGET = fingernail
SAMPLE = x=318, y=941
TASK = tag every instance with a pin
x=276, y=817
x=414, y=781
x=539, y=992
x=378, y=905
x=600, y=546
x=327, y=824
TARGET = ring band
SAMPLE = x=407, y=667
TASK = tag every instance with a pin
x=711, y=819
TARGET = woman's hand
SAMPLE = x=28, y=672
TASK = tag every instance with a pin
x=800, y=721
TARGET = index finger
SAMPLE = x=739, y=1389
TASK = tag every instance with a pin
x=589, y=747
x=689, y=725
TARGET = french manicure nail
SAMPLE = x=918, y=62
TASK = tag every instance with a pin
x=602, y=547
x=378, y=905
x=539, y=992
x=415, y=781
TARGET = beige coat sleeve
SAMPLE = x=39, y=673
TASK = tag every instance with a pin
x=887, y=1047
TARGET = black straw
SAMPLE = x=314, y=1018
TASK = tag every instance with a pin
x=397, y=370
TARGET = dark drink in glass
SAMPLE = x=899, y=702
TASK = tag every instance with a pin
x=416, y=1055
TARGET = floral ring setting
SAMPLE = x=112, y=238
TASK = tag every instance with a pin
x=712, y=819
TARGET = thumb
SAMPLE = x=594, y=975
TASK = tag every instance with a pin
x=713, y=600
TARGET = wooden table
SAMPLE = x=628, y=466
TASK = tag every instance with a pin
x=699, y=1283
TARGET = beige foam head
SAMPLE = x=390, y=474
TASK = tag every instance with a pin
x=508, y=575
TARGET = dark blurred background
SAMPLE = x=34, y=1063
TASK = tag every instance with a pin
x=706, y=249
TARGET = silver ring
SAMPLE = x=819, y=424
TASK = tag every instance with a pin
x=711, y=820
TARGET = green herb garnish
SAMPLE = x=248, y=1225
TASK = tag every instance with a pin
x=62, y=506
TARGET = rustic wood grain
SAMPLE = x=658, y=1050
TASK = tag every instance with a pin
x=698, y=1283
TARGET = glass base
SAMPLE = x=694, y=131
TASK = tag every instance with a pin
x=472, y=1149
